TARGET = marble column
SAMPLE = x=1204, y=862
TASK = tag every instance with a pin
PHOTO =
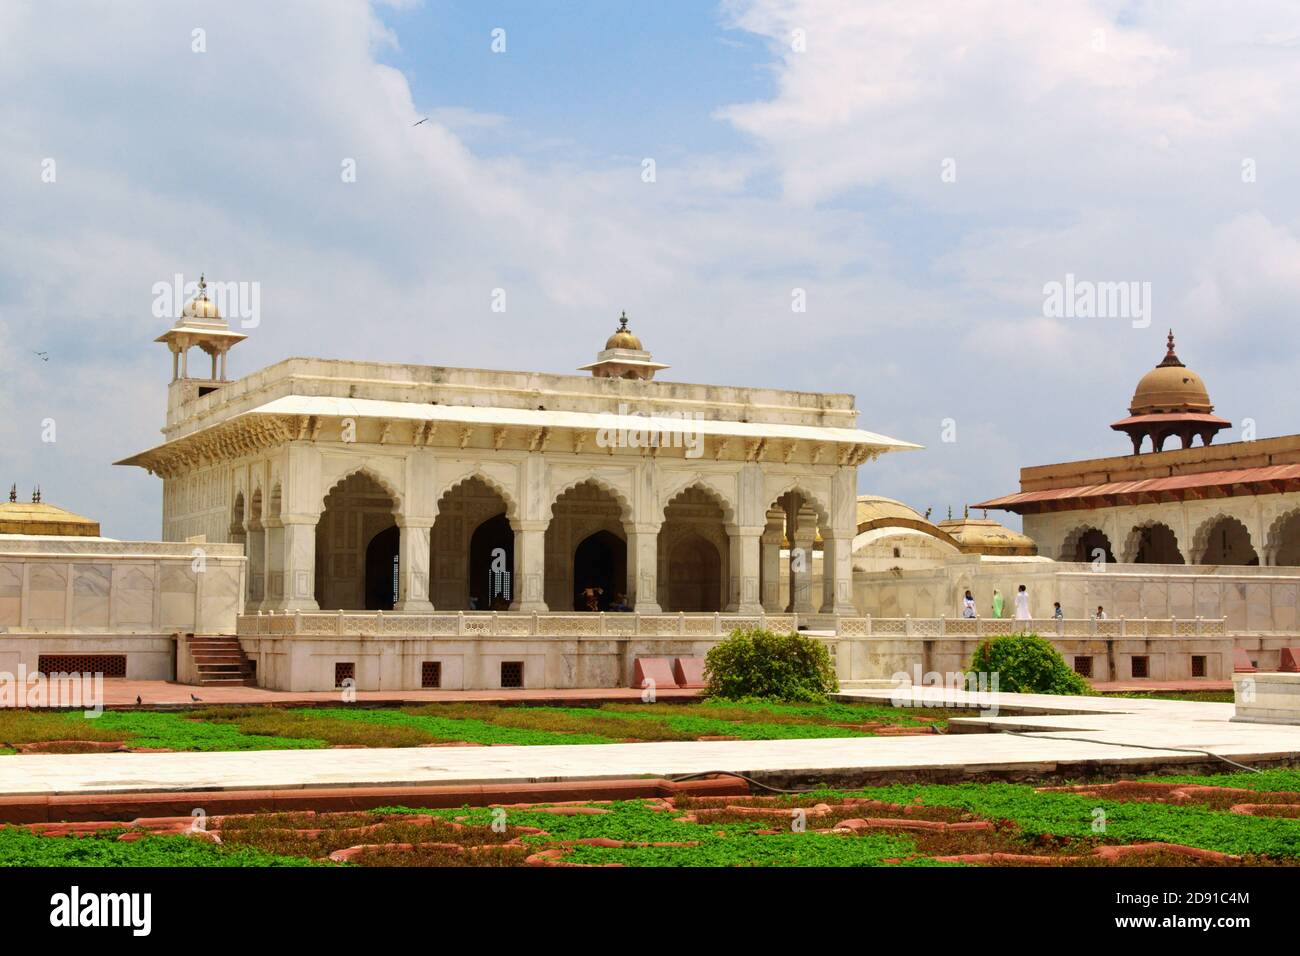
x=414, y=548
x=742, y=567
x=256, y=549
x=770, y=560
x=273, y=557
x=643, y=568
x=837, y=574
x=530, y=566
x=802, y=535
x=299, y=550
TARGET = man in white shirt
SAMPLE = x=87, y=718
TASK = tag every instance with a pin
x=1022, y=604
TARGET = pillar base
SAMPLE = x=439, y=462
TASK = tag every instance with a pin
x=413, y=607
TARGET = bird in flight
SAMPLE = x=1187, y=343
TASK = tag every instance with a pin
x=425, y=120
x=44, y=356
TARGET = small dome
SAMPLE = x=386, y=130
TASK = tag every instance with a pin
x=201, y=307
x=623, y=337
x=1170, y=387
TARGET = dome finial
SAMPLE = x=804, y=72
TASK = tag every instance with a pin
x=1171, y=358
x=622, y=321
x=203, y=286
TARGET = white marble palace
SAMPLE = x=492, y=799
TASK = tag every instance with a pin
x=385, y=487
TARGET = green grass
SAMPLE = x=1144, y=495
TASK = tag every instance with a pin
x=272, y=728
x=1027, y=821
x=20, y=847
x=1204, y=696
x=1072, y=815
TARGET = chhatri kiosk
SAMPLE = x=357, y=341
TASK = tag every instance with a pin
x=411, y=525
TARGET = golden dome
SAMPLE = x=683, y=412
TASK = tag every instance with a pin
x=201, y=307
x=986, y=536
x=1170, y=387
x=623, y=337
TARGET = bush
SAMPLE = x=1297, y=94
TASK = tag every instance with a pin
x=755, y=663
x=1026, y=664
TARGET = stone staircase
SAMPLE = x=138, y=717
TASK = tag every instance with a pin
x=219, y=661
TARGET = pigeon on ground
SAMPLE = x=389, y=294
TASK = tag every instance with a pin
x=197, y=700
x=138, y=701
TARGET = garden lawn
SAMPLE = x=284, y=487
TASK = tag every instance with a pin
x=270, y=728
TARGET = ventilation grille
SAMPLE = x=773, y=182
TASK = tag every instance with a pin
x=431, y=674
x=344, y=670
x=512, y=673
x=110, y=665
x=1141, y=666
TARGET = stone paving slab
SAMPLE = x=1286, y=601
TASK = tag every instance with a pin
x=1112, y=726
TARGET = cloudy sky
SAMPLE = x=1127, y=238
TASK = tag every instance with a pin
x=921, y=170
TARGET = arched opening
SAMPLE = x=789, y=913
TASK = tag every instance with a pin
x=471, y=530
x=576, y=517
x=794, y=563
x=1227, y=542
x=1090, y=545
x=382, y=570
x=1284, y=540
x=492, y=565
x=358, y=510
x=599, y=571
x=694, y=575
x=1154, y=544
x=256, y=549
x=237, y=532
x=693, y=553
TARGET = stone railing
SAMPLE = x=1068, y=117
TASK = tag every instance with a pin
x=961, y=627
x=491, y=624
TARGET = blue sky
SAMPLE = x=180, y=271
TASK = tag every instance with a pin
x=1092, y=138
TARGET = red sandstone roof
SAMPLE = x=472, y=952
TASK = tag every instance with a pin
x=1269, y=478
x=1156, y=418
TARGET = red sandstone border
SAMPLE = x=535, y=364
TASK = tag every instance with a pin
x=125, y=807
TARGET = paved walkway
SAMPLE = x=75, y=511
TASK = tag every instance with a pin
x=1112, y=723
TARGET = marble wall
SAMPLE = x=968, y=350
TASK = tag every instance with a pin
x=85, y=596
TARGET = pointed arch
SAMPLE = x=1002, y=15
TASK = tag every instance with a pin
x=367, y=472
x=698, y=484
x=1283, y=543
x=478, y=474
x=810, y=498
x=701, y=483
x=1153, y=542
x=592, y=478
x=1081, y=543
x=1224, y=539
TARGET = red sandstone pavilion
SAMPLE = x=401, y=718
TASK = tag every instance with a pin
x=1229, y=504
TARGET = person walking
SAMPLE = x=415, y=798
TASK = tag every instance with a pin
x=997, y=603
x=968, y=606
x=1057, y=612
x=1022, y=604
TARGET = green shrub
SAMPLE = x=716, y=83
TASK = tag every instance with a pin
x=754, y=663
x=1026, y=664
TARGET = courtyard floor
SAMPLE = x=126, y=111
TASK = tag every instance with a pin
x=1033, y=735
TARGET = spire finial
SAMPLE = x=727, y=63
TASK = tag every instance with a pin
x=1171, y=358
x=203, y=286
x=622, y=321
x=13, y=491
x=36, y=495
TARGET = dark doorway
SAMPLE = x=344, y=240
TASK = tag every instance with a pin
x=1093, y=544
x=600, y=562
x=694, y=576
x=492, y=565
x=381, y=570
